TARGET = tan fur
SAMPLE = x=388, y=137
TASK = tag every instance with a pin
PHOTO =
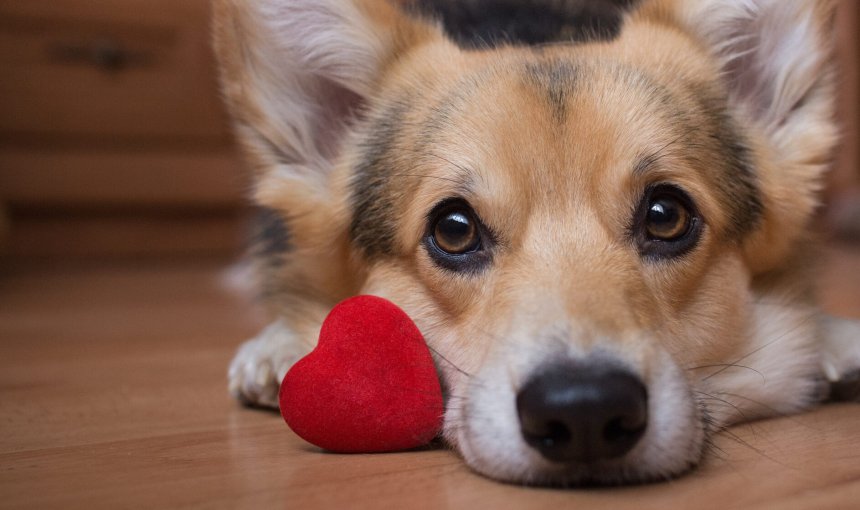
x=559, y=190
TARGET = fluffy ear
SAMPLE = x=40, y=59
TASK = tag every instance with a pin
x=775, y=56
x=295, y=74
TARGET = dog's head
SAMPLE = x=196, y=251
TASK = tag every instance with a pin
x=588, y=216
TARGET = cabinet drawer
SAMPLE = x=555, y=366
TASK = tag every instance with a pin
x=114, y=71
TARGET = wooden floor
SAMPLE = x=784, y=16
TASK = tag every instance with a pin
x=112, y=395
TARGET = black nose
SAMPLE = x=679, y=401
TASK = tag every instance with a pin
x=583, y=413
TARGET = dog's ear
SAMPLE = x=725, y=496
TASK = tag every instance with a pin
x=775, y=58
x=296, y=73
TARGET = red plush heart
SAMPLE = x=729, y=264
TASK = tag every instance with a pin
x=370, y=384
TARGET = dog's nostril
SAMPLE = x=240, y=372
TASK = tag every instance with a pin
x=553, y=434
x=583, y=413
x=624, y=428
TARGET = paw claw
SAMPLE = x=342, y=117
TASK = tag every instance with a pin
x=255, y=374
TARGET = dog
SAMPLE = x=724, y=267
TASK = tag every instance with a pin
x=599, y=213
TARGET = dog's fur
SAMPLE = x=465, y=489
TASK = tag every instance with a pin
x=552, y=119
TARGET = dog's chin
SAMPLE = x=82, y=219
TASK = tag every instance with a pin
x=524, y=467
x=484, y=428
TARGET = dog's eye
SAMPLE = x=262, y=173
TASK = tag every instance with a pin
x=456, y=231
x=456, y=239
x=666, y=223
x=667, y=219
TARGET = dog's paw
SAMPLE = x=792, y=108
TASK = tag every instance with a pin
x=256, y=372
x=841, y=358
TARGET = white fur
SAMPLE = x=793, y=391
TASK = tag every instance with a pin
x=306, y=56
x=261, y=363
x=776, y=373
x=840, y=353
x=482, y=420
x=771, y=50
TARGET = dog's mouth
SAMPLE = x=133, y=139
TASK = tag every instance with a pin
x=578, y=424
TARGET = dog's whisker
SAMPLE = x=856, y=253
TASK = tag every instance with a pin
x=730, y=365
x=448, y=361
x=726, y=432
x=715, y=449
x=771, y=410
x=723, y=401
x=759, y=349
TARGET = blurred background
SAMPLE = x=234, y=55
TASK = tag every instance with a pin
x=113, y=139
x=114, y=144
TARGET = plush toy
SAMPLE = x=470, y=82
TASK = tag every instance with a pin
x=370, y=385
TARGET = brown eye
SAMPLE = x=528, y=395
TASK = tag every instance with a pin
x=456, y=232
x=456, y=239
x=666, y=224
x=667, y=219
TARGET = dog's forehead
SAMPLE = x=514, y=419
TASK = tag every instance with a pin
x=548, y=122
x=544, y=121
x=544, y=131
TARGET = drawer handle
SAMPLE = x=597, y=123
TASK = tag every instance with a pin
x=105, y=54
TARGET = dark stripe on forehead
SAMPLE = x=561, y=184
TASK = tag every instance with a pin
x=452, y=103
x=374, y=225
x=490, y=23
x=737, y=179
x=556, y=79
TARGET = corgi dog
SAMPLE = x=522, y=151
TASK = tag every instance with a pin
x=598, y=213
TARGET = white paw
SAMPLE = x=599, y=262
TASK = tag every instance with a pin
x=841, y=353
x=260, y=364
x=840, y=358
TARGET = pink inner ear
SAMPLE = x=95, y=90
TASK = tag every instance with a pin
x=339, y=109
x=774, y=53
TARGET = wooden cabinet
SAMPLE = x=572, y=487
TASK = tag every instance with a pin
x=138, y=70
x=111, y=123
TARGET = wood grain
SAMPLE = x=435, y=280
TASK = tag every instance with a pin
x=113, y=396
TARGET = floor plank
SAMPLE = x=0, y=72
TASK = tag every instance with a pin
x=113, y=395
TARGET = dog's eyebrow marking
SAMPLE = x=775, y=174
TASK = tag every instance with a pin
x=451, y=104
x=464, y=179
x=742, y=183
x=709, y=140
x=375, y=189
x=648, y=163
x=732, y=156
x=735, y=179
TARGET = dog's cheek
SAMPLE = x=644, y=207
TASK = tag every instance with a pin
x=709, y=322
